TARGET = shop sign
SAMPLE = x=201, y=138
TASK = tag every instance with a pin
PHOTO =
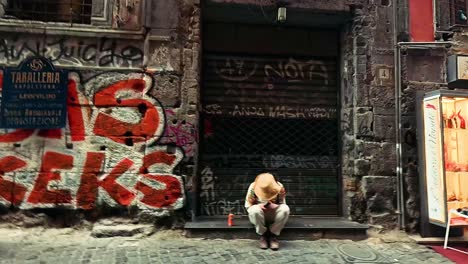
x=457, y=71
x=34, y=95
x=435, y=187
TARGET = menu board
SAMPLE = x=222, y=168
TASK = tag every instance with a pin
x=34, y=95
x=435, y=187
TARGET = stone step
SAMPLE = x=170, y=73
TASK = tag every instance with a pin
x=126, y=230
x=298, y=227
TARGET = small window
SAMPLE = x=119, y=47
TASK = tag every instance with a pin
x=69, y=11
x=459, y=15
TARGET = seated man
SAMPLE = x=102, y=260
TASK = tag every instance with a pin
x=266, y=205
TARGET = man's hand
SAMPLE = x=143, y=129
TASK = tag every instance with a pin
x=273, y=206
x=268, y=206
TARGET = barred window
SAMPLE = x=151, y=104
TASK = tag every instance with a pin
x=69, y=11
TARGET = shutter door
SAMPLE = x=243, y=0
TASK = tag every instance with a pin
x=269, y=113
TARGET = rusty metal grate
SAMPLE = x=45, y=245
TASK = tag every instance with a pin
x=70, y=11
x=223, y=135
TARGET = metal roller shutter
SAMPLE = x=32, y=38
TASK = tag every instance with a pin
x=269, y=113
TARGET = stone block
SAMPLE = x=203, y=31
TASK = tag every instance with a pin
x=347, y=164
x=422, y=67
x=384, y=128
x=121, y=230
x=362, y=92
x=384, y=27
x=408, y=99
x=349, y=144
x=379, y=192
x=364, y=120
x=384, y=110
x=381, y=155
x=382, y=185
x=167, y=90
x=347, y=121
x=382, y=96
x=193, y=95
x=163, y=56
x=361, y=167
x=350, y=184
x=387, y=220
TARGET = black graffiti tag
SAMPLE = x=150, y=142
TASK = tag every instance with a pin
x=103, y=52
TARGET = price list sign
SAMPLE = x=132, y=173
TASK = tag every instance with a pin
x=34, y=95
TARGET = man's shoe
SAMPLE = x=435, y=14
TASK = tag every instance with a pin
x=274, y=243
x=263, y=242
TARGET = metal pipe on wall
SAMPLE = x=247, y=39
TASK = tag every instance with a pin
x=397, y=67
x=398, y=112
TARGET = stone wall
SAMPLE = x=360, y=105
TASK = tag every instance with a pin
x=368, y=116
x=132, y=132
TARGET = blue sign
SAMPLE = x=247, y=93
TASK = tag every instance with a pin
x=34, y=95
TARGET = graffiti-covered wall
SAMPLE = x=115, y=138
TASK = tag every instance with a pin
x=131, y=133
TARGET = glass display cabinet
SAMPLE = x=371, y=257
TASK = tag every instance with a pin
x=443, y=156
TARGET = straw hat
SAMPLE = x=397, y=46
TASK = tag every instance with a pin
x=265, y=187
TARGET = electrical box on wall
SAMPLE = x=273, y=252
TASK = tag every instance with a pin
x=457, y=71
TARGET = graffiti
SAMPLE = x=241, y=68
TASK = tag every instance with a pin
x=233, y=69
x=247, y=111
x=182, y=134
x=298, y=70
x=300, y=162
x=212, y=109
x=207, y=188
x=285, y=112
x=281, y=87
x=105, y=155
x=242, y=69
x=63, y=51
x=224, y=207
x=302, y=112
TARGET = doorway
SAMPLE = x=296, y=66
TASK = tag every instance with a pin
x=270, y=103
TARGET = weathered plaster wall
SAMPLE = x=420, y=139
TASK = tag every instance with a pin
x=131, y=137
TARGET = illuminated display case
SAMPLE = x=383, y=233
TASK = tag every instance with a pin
x=443, y=155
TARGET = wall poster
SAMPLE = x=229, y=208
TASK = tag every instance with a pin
x=34, y=95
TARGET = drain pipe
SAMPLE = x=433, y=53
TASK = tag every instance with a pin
x=397, y=73
x=398, y=111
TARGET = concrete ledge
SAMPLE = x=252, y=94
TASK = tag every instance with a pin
x=297, y=228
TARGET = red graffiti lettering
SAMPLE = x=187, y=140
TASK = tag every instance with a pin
x=88, y=190
x=47, y=173
x=119, y=193
x=160, y=198
x=16, y=136
x=50, y=133
x=10, y=191
x=75, y=115
x=107, y=126
x=155, y=158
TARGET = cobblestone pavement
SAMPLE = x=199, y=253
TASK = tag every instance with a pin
x=57, y=246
